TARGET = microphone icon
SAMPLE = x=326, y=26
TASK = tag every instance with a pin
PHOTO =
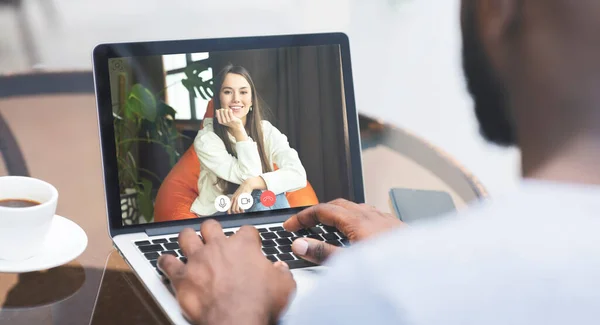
x=222, y=203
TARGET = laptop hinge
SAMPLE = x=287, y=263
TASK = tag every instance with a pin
x=159, y=231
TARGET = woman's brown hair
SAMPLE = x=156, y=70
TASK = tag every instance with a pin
x=253, y=123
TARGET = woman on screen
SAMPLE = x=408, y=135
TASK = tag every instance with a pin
x=238, y=150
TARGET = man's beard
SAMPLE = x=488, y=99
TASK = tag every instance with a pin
x=489, y=95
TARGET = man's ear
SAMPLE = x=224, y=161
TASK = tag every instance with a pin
x=498, y=18
x=498, y=22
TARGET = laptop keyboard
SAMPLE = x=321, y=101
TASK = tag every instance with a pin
x=276, y=244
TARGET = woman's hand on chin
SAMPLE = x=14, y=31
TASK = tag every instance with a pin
x=226, y=118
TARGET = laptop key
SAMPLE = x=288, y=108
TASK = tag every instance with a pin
x=142, y=242
x=330, y=228
x=159, y=241
x=316, y=230
x=283, y=241
x=329, y=236
x=174, y=253
x=153, y=263
x=268, y=235
x=183, y=259
x=272, y=258
x=334, y=243
x=285, y=234
x=262, y=229
x=171, y=246
x=294, y=239
x=161, y=274
x=270, y=250
x=285, y=257
x=342, y=236
x=174, y=239
x=295, y=264
x=229, y=233
x=303, y=232
x=276, y=229
x=180, y=252
x=150, y=248
x=268, y=243
x=346, y=242
x=285, y=249
x=317, y=237
x=152, y=256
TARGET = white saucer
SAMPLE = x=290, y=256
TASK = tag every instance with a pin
x=65, y=242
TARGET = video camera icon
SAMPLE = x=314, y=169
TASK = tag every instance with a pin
x=245, y=201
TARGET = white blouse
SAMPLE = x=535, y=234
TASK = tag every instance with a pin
x=216, y=162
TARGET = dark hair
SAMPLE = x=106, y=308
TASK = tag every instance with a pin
x=253, y=123
x=490, y=97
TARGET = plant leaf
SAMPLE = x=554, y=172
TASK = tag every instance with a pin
x=144, y=195
x=143, y=101
x=165, y=110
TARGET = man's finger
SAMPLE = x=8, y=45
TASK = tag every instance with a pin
x=281, y=266
x=172, y=268
x=211, y=231
x=328, y=214
x=313, y=250
x=346, y=204
x=189, y=241
x=249, y=233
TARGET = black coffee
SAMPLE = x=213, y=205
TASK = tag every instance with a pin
x=18, y=203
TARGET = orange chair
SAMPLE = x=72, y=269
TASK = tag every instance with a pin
x=180, y=188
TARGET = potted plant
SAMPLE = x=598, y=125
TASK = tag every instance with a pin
x=142, y=119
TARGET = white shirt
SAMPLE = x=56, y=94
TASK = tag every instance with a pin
x=532, y=257
x=216, y=162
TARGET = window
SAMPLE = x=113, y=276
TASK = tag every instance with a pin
x=187, y=106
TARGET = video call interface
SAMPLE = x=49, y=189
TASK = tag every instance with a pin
x=232, y=132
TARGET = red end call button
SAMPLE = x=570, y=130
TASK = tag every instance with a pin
x=267, y=198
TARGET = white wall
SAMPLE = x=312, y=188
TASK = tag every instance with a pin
x=406, y=55
x=408, y=72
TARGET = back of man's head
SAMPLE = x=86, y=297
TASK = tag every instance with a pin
x=532, y=66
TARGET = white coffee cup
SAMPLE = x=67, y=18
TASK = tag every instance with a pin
x=24, y=229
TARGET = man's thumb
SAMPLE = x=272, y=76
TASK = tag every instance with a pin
x=313, y=250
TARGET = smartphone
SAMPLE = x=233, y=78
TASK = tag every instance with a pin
x=411, y=205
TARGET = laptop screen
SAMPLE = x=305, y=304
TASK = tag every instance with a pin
x=222, y=133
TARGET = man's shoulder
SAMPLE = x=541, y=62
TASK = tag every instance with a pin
x=485, y=261
x=525, y=221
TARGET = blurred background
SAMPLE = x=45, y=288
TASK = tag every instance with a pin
x=406, y=54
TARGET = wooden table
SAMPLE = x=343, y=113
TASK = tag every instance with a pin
x=52, y=118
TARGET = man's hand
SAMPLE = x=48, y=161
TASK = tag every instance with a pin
x=356, y=221
x=227, y=280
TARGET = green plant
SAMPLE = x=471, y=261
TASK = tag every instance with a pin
x=141, y=118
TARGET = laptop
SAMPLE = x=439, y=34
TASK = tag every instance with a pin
x=166, y=162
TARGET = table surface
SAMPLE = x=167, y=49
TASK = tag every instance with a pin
x=58, y=137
